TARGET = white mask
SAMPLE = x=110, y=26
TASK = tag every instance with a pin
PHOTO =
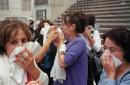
x=47, y=26
x=116, y=61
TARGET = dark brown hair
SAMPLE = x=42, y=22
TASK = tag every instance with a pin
x=121, y=37
x=41, y=25
x=73, y=19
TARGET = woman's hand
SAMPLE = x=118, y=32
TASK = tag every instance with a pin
x=60, y=39
x=53, y=34
x=88, y=31
x=108, y=65
x=26, y=61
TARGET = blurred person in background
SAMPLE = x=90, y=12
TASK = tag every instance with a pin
x=41, y=37
x=93, y=41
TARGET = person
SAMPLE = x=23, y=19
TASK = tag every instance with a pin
x=14, y=34
x=45, y=27
x=93, y=41
x=116, y=57
x=37, y=36
x=31, y=26
x=92, y=35
x=48, y=60
x=74, y=60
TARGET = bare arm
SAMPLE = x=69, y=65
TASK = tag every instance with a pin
x=51, y=37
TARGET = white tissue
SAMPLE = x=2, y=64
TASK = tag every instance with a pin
x=116, y=61
x=17, y=72
x=34, y=47
x=57, y=72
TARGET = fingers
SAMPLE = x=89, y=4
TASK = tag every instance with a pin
x=53, y=34
x=24, y=58
x=29, y=53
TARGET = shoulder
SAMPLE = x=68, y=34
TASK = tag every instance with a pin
x=2, y=57
x=126, y=76
x=80, y=39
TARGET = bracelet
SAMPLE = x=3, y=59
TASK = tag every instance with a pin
x=61, y=52
x=62, y=48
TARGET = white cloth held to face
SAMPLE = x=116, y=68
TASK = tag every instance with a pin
x=34, y=47
x=115, y=60
x=17, y=72
x=57, y=72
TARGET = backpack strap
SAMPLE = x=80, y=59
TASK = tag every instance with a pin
x=124, y=76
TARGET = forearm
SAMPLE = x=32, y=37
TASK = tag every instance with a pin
x=40, y=55
x=61, y=54
x=35, y=73
x=38, y=75
x=61, y=60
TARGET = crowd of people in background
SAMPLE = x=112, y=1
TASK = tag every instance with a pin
x=70, y=54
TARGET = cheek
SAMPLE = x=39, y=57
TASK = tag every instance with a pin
x=120, y=56
x=9, y=49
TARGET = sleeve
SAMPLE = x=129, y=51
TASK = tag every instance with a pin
x=97, y=45
x=125, y=80
x=104, y=80
x=43, y=78
x=107, y=82
x=74, y=52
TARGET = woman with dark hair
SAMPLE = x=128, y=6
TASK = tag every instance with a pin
x=116, y=57
x=74, y=60
x=93, y=41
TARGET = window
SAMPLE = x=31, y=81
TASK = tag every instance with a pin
x=26, y=5
x=4, y=4
x=41, y=14
x=41, y=2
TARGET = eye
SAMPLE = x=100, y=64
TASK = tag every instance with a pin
x=13, y=42
x=24, y=40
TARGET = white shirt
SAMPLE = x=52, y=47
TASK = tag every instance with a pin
x=97, y=45
x=7, y=79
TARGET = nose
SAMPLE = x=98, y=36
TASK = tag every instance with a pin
x=20, y=43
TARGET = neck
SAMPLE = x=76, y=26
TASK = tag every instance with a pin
x=73, y=36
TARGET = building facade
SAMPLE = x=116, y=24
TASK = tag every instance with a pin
x=16, y=9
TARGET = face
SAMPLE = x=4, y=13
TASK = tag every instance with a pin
x=88, y=28
x=66, y=30
x=88, y=31
x=16, y=41
x=114, y=49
